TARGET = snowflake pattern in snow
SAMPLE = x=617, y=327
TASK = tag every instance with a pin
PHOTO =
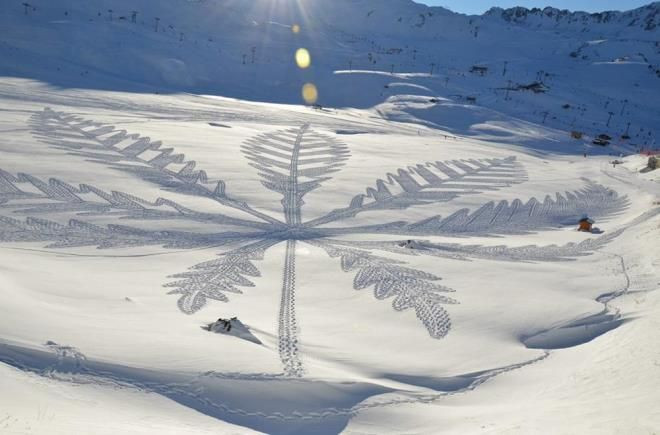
x=291, y=163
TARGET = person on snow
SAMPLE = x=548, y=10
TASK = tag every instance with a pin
x=226, y=324
x=222, y=322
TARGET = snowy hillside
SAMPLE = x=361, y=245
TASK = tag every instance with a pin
x=597, y=72
x=317, y=216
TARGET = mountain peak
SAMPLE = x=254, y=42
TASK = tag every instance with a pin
x=646, y=17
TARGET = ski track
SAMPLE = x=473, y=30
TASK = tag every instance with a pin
x=72, y=366
x=288, y=325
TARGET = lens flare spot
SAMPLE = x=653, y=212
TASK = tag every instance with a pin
x=303, y=59
x=295, y=29
x=309, y=93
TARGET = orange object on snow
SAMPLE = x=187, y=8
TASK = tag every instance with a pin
x=586, y=224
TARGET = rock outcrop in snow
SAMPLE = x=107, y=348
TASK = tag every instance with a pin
x=646, y=17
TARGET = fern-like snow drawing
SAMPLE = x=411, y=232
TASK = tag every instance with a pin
x=291, y=163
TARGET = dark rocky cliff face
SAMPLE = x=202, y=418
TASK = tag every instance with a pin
x=646, y=17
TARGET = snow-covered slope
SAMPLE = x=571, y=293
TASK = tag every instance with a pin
x=400, y=258
x=599, y=74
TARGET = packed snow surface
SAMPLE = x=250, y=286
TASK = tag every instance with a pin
x=391, y=231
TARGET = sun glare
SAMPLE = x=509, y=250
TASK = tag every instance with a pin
x=309, y=93
x=303, y=58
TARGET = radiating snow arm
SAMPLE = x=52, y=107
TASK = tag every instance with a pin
x=27, y=194
x=134, y=154
x=293, y=163
x=516, y=217
x=78, y=233
x=430, y=183
x=212, y=279
x=410, y=288
x=455, y=251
